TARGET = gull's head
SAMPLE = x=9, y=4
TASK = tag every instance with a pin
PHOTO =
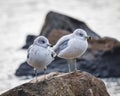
x=81, y=34
x=42, y=41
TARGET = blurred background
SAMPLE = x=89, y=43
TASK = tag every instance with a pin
x=23, y=17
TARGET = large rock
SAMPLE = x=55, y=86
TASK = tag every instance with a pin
x=58, y=21
x=101, y=58
x=55, y=22
x=106, y=65
x=29, y=41
x=62, y=84
x=58, y=65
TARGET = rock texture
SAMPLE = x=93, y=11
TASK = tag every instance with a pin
x=62, y=84
x=29, y=41
x=105, y=65
x=59, y=21
x=56, y=34
x=101, y=58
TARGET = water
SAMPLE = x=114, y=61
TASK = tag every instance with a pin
x=23, y=17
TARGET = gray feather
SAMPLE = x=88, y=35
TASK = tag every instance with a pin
x=28, y=54
x=61, y=46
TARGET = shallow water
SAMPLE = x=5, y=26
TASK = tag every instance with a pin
x=23, y=17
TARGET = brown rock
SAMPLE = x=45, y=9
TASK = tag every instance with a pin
x=103, y=44
x=99, y=46
x=62, y=84
x=56, y=34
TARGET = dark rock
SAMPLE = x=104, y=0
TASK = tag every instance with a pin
x=55, y=21
x=106, y=65
x=101, y=59
x=61, y=84
x=59, y=21
x=24, y=70
x=58, y=65
x=29, y=41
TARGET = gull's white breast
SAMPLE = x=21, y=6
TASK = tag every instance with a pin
x=39, y=57
x=74, y=49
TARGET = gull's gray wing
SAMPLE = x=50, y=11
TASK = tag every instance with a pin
x=28, y=51
x=62, y=45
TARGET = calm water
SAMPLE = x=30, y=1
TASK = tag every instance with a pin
x=19, y=18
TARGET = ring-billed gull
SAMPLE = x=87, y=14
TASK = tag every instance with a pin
x=72, y=46
x=40, y=54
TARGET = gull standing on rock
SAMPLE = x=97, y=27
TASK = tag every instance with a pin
x=40, y=54
x=72, y=46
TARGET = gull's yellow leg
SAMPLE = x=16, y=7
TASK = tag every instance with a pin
x=45, y=77
x=75, y=64
x=69, y=66
x=35, y=71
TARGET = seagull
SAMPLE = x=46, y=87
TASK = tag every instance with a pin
x=72, y=46
x=40, y=54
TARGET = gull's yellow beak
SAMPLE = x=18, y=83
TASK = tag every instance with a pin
x=49, y=45
x=89, y=37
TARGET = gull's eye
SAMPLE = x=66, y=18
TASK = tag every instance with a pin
x=42, y=41
x=81, y=34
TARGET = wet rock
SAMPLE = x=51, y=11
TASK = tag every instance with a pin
x=62, y=84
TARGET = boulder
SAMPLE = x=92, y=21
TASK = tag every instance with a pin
x=61, y=84
x=59, y=65
x=101, y=58
x=29, y=41
x=55, y=22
